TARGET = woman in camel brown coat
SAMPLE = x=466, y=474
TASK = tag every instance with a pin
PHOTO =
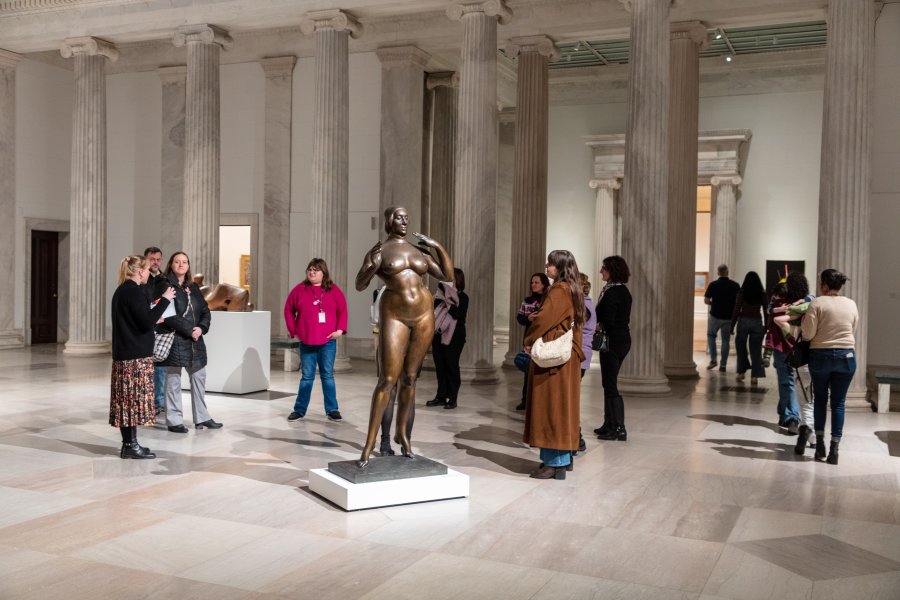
x=552, y=414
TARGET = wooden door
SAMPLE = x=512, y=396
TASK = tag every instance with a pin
x=44, y=286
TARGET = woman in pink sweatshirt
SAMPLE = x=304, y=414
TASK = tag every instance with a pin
x=316, y=314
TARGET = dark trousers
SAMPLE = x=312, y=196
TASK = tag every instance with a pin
x=446, y=363
x=610, y=363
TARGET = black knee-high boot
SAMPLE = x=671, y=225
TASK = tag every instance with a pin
x=617, y=431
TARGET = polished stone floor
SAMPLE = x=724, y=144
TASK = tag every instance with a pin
x=705, y=500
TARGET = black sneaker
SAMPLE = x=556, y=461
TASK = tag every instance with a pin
x=334, y=416
x=294, y=416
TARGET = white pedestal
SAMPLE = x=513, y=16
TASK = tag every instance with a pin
x=356, y=496
x=237, y=348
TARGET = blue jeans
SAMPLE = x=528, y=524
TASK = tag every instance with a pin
x=159, y=386
x=323, y=356
x=748, y=345
x=831, y=370
x=555, y=458
x=723, y=328
x=788, y=409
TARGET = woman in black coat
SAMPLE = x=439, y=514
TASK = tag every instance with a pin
x=453, y=301
x=613, y=316
x=190, y=324
x=131, y=386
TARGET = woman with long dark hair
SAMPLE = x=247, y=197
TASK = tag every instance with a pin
x=552, y=413
x=525, y=315
x=751, y=329
x=613, y=317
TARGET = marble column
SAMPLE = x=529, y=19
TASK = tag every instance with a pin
x=272, y=289
x=10, y=336
x=723, y=222
x=172, y=200
x=202, y=146
x=685, y=43
x=845, y=169
x=402, y=107
x=331, y=146
x=605, y=224
x=529, y=192
x=440, y=166
x=476, y=178
x=644, y=193
x=87, y=281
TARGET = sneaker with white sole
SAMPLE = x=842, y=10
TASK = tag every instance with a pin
x=334, y=416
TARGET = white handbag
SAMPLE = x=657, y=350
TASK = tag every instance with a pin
x=555, y=353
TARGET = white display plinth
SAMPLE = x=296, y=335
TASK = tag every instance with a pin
x=237, y=349
x=356, y=496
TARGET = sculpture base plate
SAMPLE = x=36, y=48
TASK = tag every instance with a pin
x=359, y=496
x=387, y=468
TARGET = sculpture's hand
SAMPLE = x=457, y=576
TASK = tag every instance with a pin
x=424, y=240
x=375, y=253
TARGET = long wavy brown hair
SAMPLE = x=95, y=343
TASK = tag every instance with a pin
x=567, y=272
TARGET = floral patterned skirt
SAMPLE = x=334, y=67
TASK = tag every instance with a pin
x=131, y=393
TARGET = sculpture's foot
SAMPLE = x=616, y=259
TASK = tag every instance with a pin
x=362, y=463
x=407, y=452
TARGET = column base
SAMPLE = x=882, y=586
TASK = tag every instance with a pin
x=342, y=365
x=12, y=338
x=479, y=374
x=87, y=348
x=681, y=370
x=644, y=386
x=508, y=362
x=858, y=399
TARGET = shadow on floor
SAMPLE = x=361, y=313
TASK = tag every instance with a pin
x=891, y=439
x=263, y=395
x=513, y=464
x=755, y=449
x=737, y=420
x=488, y=433
x=298, y=441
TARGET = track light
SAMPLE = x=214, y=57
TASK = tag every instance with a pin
x=718, y=34
x=728, y=58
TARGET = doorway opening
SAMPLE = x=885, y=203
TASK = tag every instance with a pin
x=235, y=255
x=44, y=301
x=701, y=264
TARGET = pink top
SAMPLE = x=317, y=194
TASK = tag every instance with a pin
x=302, y=309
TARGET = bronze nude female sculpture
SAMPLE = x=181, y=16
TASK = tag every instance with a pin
x=406, y=318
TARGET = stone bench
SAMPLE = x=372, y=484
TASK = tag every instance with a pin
x=885, y=379
x=291, y=360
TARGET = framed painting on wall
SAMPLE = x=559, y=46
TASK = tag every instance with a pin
x=701, y=280
x=245, y=271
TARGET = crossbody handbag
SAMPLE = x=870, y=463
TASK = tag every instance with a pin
x=162, y=343
x=554, y=353
x=600, y=341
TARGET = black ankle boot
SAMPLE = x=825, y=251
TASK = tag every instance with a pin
x=802, y=438
x=616, y=433
x=135, y=450
x=603, y=429
x=833, y=453
x=820, y=447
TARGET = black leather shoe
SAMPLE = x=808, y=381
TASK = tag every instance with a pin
x=451, y=404
x=209, y=425
x=178, y=428
x=603, y=429
x=135, y=450
x=387, y=451
x=618, y=434
x=436, y=402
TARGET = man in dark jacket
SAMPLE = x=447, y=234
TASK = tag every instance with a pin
x=720, y=296
x=154, y=260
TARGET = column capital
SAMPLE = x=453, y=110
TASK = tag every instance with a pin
x=278, y=66
x=720, y=180
x=172, y=74
x=9, y=59
x=627, y=3
x=202, y=34
x=695, y=31
x=491, y=8
x=608, y=184
x=443, y=79
x=541, y=44
x=90, y=46
x=335, y=18
x=402, y=56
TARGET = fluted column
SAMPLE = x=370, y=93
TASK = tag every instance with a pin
x=845, y=170
x=529, y=193
x=644, y=194
x=402, y=106
x=605, y=222
x=476, y=178
x=331, y=145
x=272, y=289
x=202, y=146
x=684, y=106
x=723, y=221
x=87, y=283
x=440, y=152
x=10, y=337
x=172, y=201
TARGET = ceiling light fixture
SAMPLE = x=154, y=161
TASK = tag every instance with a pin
x=728, y=58
x=718, y=34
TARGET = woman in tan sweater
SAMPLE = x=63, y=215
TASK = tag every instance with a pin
x=829, y=325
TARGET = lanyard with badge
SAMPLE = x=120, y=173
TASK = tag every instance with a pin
x=318, y=302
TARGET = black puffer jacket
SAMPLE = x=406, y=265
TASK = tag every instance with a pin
x=185, y=351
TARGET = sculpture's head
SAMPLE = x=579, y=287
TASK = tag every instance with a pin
x=396, y=221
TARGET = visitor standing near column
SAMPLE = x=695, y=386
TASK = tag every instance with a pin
x=829, y=324
x=316, y=314
x=190, y=324
x=796, y=287
x=720, y=296
x=451, y=304
x=131, y=397
x=614, y=317
x=154, y=262
x=525, y=315
x=747, y=318
x=552, y=413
